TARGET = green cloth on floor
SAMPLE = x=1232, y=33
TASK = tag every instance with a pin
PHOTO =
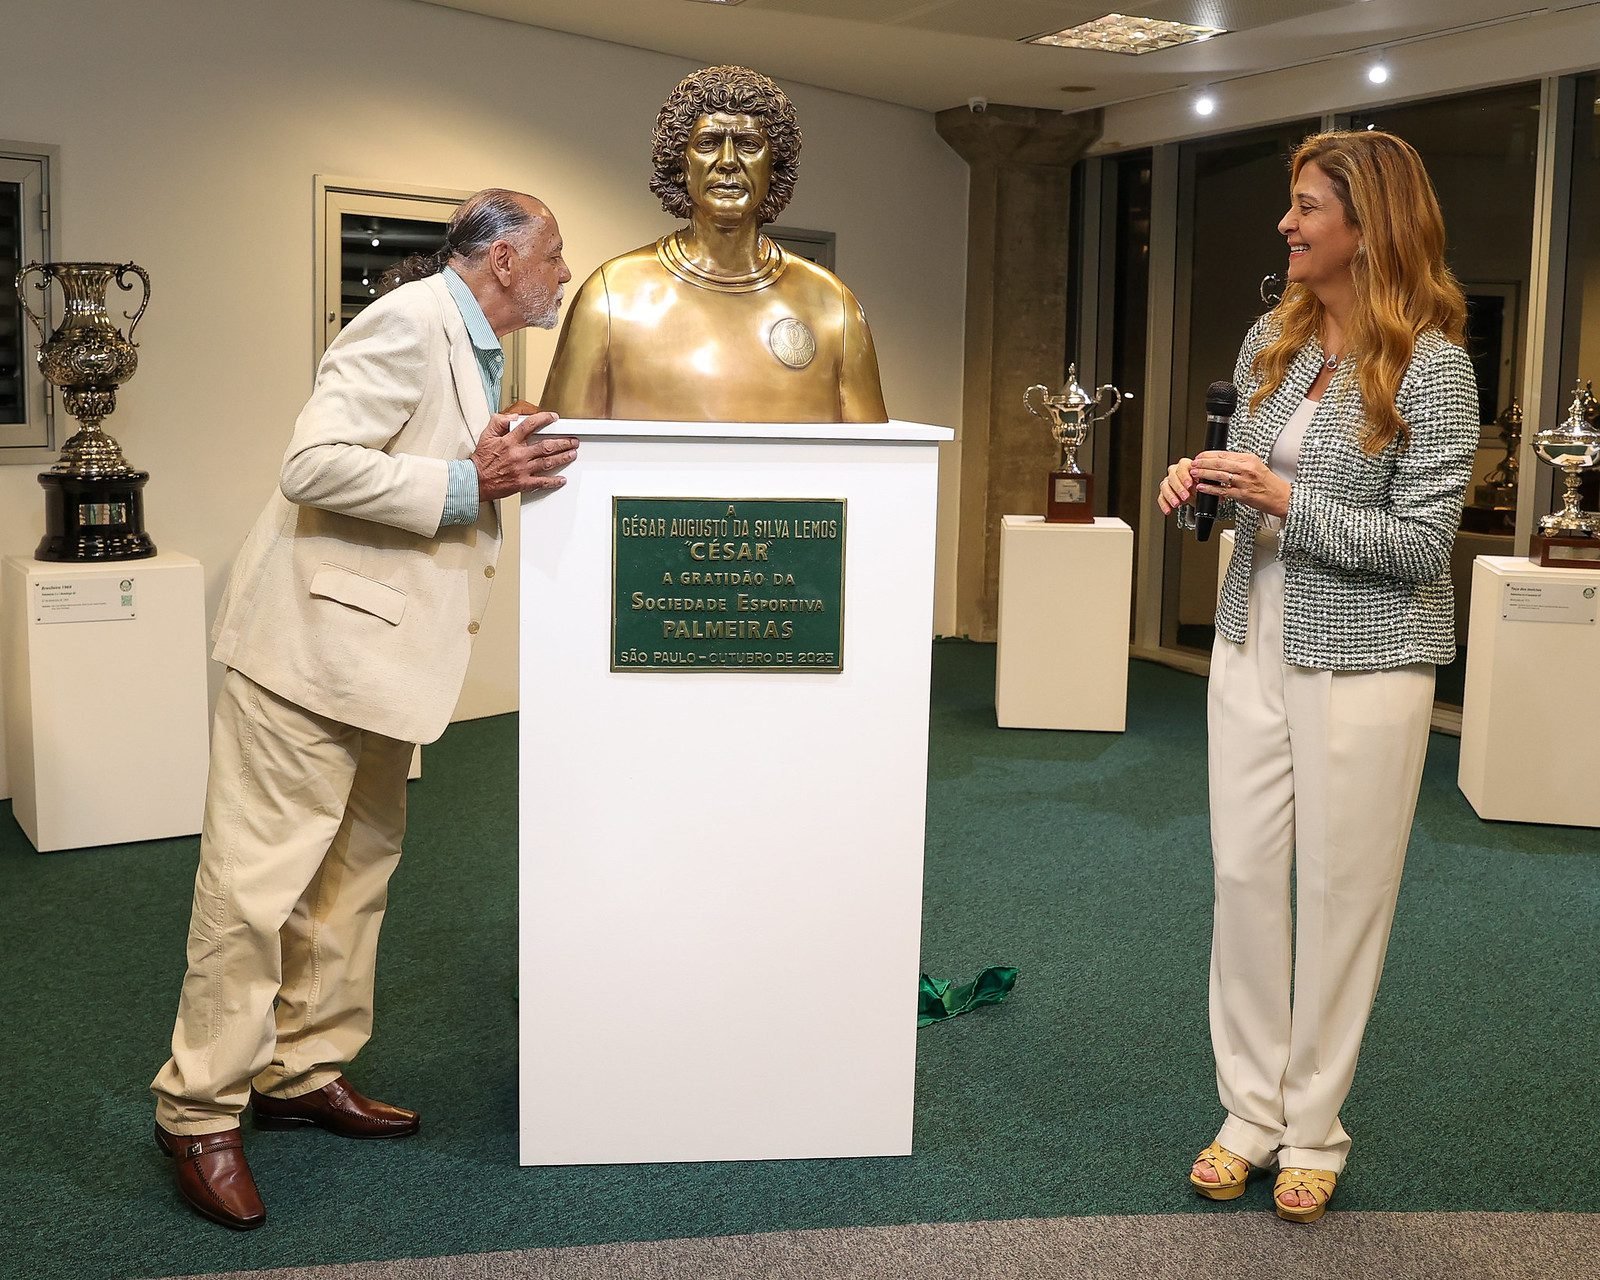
x=938, y=999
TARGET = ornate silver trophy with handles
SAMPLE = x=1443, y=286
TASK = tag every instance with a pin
x=94, y=504
x=1071, y=414
x=1570, y=537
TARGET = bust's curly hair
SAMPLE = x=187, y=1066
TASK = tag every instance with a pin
x=737, y=91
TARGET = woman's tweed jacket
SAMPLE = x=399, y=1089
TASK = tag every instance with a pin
x=1366, y=544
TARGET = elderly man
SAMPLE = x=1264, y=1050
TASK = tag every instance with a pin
x=346, y=629
x=715, y=322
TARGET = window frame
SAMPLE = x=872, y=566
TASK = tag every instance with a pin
x=336, y=196
x=36, y=440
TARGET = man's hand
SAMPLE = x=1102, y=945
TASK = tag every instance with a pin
x=509, y=462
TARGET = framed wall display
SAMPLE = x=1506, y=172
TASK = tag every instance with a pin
x=363, y=229
x=27, y=402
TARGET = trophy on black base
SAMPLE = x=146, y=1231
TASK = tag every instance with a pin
x=93, y=500
x=1070, y=496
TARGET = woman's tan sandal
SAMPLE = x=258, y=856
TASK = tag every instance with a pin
x=1317, y=1183
x=1232, y=1173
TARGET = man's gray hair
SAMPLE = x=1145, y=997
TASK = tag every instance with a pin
x=491, y=215
x=481, y=219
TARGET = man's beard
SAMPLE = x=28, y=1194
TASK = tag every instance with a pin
x=540, y=308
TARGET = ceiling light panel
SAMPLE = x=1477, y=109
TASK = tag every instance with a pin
x=1234, y=15
x=1013, y=20
x=1124, y=33
x=888, y=12
x=1010, y=20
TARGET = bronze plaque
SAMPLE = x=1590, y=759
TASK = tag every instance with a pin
x=727, y=584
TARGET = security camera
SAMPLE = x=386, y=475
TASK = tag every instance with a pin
x=977, y=105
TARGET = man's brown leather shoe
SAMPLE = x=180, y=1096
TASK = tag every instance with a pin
x=337, y=1108
x=214, y=1177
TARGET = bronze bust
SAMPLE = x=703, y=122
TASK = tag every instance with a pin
x=715, y=322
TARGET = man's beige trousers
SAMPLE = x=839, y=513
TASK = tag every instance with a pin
x=303, y=823
x=1316, y=771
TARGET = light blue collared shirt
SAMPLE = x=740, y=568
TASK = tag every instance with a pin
x=461, y=499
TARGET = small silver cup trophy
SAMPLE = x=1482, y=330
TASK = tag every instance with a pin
x=1569, y=538
x=1071, y=415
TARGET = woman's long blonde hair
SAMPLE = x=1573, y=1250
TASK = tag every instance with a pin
x=1402, y=285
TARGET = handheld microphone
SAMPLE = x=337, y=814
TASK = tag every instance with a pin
x=1221, y=400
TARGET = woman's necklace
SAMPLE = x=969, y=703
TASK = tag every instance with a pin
x=1332, y=362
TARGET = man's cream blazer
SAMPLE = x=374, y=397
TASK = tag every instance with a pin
x=347, y=597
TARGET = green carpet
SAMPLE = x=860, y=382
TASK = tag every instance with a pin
x=1079, y=858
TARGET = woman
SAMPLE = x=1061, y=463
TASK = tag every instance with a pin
x=1344, y=474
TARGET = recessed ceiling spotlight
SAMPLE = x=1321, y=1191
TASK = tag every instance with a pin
x=1121, y=33
x=1204, y=105
x=1378, y=72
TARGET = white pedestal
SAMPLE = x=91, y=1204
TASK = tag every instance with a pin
x=721, y=871
x=1531, y=703
x=105, y=717
x=1062, y=657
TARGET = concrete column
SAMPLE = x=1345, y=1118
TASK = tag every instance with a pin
x=1017, y=263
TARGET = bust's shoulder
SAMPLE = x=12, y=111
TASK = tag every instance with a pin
x=803, y=274
x=634, y=267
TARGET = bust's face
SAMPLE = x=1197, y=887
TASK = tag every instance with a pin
x=727, y=166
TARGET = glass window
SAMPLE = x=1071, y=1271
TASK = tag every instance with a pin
x=1481, y=150
x=26, y=403
x=368, y=246
x=1231, y=193
x=1129, y=297
x=362, y=232
x=13, y=343
x=1580, y=329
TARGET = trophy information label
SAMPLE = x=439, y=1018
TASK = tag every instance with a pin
x=97, y=597
x=1070, y=498
x=727, y=584
x=1574, y=602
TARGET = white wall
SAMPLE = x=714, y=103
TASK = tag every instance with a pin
x=190, y=133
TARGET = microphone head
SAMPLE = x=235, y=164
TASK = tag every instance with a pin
x=1221, y=400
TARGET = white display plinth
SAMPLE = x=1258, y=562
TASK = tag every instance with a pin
x=1061, y=661
x=721, y=872
x=1531, y=700
x=105, y=715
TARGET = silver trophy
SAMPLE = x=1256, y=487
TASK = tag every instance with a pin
x=1071, y=415
x=94, y=501
x=1573, y=446
x=1499, y=487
